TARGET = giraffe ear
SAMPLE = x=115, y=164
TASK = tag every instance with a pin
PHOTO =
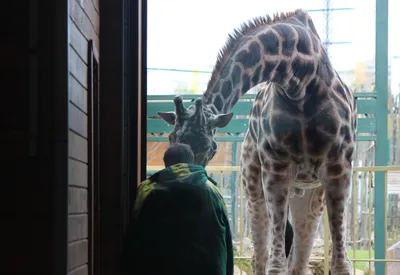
x=169, y=117
x=220, y=121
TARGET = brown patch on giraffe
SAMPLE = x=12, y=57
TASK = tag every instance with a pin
x=269, y=67
x=304, y=44
x=266, y=126
x=279, y=167
x=218, y=102
x=250, y=57
x=349, y=154
x=302, y=68
x=226, y=89
x=335, y=151
x=325, y=70
x=345, y=133
x=254, y=129
x=315, y=43
x=280, y=72
x=288, y=38
x=255, y=79
x=255, y=110
x=246, y=85
x=270, y=42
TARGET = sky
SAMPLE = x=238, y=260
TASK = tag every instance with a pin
x=187, y=34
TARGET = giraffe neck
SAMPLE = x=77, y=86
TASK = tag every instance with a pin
x=286, y=50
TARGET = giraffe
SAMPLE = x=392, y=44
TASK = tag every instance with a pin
x=298, y=150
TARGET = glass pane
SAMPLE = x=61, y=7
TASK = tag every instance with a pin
x=184, y=38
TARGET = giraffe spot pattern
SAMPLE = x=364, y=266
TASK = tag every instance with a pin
x=249, y=58
x=315, y=43
x=302, y=68
x=313, y=98
x=269, y=67
x=303, y=44
x=295, y=21
x=246, y=84
x=311, y=26
x=234, y=99
x=279, y=166
x=226, y=89
x=325, y=70
x=266, y=126
x=227, y=68
x=345, y=132
x=236, y=75
x=218, y=103
x=334, y=170
x=335, y=151
x=294, y=142
x=270, y=42
x=317, y=140
x=349, y=154
x=280, y=72
x=341, y=91
x=302, y=17
x=255, y=110
x=288, y=38
x=255, y=79
x=253, y=129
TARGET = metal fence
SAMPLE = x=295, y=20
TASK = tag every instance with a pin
x=360, y=204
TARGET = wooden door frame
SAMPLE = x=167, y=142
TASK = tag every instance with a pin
x=122, y=136
x=93, y=153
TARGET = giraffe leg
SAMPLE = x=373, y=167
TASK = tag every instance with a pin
x=256, y=206
x=276, y=191
x=337, y=190
x=306, y=212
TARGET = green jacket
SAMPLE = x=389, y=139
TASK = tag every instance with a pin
x=180, y=226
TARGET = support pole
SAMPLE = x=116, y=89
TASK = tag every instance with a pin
x=382, y=148
x=233, y=191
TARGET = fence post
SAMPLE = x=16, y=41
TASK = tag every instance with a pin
x=233, y=191
x=381, y=152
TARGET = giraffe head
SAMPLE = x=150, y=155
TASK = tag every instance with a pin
x=196, y=126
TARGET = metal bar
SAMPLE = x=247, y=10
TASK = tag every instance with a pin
x=385, y=213
x=333, y=9
x=241, y=216
x=226, y=138
x=237, y=168
x=369, y=216
x=245, y=96
x=354, y=218
x=179, y=70
x=337, y=43
x=326, y=241
x=381, y=155
x=233, y=190
x=355, y=260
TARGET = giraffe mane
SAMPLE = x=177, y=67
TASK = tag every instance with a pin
x=235, y=36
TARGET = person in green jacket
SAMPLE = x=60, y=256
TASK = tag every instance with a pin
x=180, y=223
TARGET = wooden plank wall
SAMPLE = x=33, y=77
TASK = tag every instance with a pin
x=84, y=20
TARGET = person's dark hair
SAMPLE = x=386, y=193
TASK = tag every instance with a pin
x=178, y=153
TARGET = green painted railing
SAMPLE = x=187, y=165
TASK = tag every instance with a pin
x=234, y=132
